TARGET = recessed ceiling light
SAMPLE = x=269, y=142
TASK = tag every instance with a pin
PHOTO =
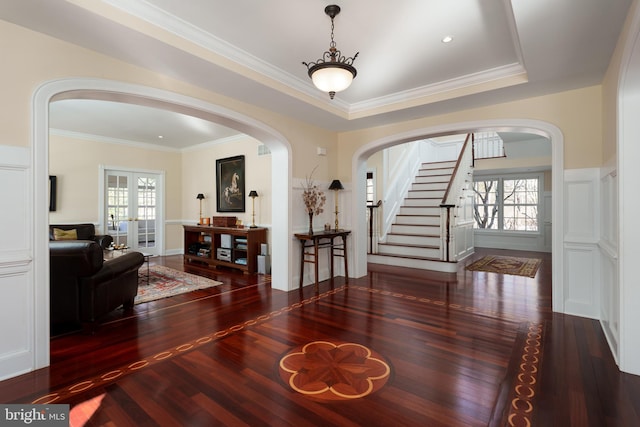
x=160, y=136
x=447, y=39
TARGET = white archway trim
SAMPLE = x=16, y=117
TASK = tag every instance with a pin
x=125, y=92
x=547, y=130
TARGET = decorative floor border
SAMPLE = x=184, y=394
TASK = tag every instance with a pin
x=525, y=387
x=522, y=393
x=108, y=377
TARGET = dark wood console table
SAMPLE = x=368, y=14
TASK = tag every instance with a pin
x=310, y=245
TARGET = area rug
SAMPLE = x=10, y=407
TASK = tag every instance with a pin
x=166, y=282
x=507, y=265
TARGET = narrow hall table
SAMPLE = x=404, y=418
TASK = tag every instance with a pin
x=310, y=245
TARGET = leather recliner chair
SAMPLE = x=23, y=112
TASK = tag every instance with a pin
x=84, y=288
x=84, y=232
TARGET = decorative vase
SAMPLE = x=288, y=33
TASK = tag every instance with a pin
x=310, y=223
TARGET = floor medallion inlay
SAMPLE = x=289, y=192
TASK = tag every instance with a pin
x=326, y=370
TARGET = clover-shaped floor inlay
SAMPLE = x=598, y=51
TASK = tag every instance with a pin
x=334, y=371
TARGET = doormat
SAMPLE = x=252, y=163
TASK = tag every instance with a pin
x=166, y=282
x=507, y=265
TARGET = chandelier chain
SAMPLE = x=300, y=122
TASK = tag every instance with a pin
x=333, y=43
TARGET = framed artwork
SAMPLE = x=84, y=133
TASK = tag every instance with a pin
x=230, y=184
x=53, y=188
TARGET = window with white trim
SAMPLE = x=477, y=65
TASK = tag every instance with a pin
x=507, y=203
x=370, y=188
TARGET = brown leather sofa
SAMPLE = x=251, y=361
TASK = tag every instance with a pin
x=84, y=288
x=83, y=232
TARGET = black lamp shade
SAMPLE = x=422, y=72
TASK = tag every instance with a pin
x=253, y=193
x=336, y=185
x=200, y=196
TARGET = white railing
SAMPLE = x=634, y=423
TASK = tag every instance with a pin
x=488, y=145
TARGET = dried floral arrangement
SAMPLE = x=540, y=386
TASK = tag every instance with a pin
x=313, y=198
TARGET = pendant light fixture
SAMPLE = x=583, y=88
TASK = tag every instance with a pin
x=333, y=72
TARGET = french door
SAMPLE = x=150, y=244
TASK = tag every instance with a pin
x=131, y=209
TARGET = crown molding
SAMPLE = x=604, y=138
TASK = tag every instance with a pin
x=185, y=30
x=498, y=77
x=144, y=145
x=509, y=75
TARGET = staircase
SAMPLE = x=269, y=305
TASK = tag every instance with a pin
x=416, y=235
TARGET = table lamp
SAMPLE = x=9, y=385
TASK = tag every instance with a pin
x=200, y=197
x=253, y=194
x=336, y=185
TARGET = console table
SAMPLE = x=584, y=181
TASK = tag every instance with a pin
x=311, y=244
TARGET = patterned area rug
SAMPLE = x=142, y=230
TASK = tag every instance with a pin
x=166, y=282
x=507, y=265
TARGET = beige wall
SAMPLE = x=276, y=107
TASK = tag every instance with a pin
x=610, y=86
x=509, y=163
x=576, y=113
x=76, y=163
x=199, y=166
x=31, y=58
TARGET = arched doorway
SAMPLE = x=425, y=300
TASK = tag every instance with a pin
x=358, y=173
x=628, y=153
x=142, y=95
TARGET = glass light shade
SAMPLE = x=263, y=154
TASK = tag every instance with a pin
x=332, y=78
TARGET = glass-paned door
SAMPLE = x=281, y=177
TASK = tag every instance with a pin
x=131, y=209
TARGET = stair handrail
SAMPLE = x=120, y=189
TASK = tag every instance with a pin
x=463, y=167
x=457, y=180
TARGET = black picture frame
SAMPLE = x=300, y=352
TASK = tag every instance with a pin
x=53, y=189
x=230, y=179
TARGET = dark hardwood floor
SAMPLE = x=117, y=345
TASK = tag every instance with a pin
x=398, y=347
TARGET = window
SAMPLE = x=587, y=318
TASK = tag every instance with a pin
x=506, y=203
x=370, y=188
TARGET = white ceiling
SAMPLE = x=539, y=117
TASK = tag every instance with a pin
x=252, y=50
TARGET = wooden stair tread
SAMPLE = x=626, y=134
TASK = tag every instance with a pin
x=413, y=235
x=413, y=257
x=408, y=245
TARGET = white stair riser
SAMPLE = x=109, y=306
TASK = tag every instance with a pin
x=420, y=210
x=435, y=178
x=425, y=203
x=439, y=165
x=417, y=220
x=415, y=229
x=411, y=239
x=446, y=267
x=418, y=186
x=429, y=194
x=408, y=251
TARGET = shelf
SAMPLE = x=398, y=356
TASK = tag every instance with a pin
x=206, y=240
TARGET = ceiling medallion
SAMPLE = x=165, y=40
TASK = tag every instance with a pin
x=333, y=72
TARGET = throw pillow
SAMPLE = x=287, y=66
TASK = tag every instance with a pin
x=59, y=234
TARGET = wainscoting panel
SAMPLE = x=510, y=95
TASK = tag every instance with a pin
x=610, y=300
x=610, y=279
x=582, y=263
x=582, y=273
x=17, y=353
x=580, y=206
